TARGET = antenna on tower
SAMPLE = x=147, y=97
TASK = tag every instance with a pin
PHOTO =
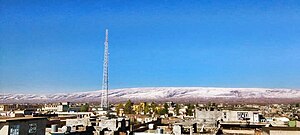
x=104, y=98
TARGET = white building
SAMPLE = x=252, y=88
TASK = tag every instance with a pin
x=213, y=114
x=251, y=115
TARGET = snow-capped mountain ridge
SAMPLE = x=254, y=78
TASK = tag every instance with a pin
x=159, y=93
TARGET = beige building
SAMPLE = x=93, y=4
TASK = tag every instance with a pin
x=57, y=107
x=13, y=107
x=23, y=126
x=8, y=107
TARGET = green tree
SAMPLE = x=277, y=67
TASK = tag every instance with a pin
x=140, y=108
x=153, y=107
x=165, y=109
x=177, y=108
x=84, y=108
x=190, y=110
x=146, y=108
x=128, y=107
x=120, y=106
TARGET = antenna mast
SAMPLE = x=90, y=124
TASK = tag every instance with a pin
x=104, y=98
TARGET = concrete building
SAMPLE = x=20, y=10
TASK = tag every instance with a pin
x=8, y=107
x=80, y=121
x=112, y=126
x=13, y=107
x=210, y=115
x=56, y=107
x=185, y=128
x=240, y=114
x=23, y=125
x=67, y=130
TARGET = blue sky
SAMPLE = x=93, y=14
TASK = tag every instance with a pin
x=57, y=46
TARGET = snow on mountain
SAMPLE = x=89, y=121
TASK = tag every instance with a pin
x=159, y=93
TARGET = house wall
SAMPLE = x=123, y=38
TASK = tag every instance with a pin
x=10, y=107
x=278, y=132
x=50, y=108
x=207, y=115
x=3, y=129
x=78, y=121
x=110, y=124
x=236, y=115
x=25, y=124
x=226, y=115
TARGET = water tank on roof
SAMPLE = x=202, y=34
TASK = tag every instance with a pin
x=66, y=129
x=151, y=126
x=159, y=131
x=54, y=128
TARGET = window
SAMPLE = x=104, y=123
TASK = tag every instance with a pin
x=32, y=128
x=14, y=129
x=224, y=113
x=242, y=115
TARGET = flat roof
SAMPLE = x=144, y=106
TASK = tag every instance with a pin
x=20, y=118
x=185, y=123
x=243, y=123
x=282, y=128
x=231, y=108
x=74, y=113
